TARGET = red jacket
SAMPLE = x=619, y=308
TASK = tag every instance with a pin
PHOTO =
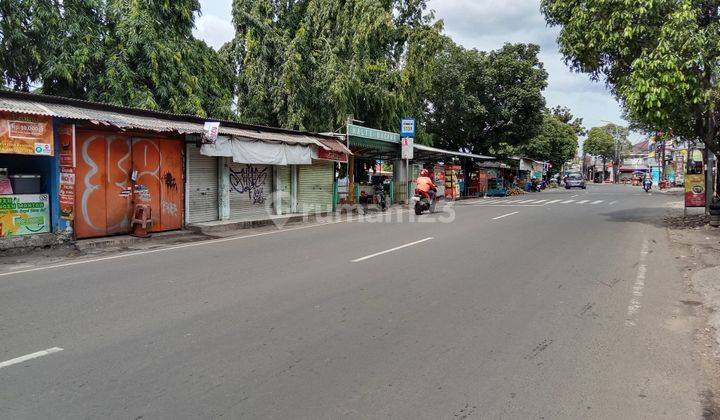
x=425, y=184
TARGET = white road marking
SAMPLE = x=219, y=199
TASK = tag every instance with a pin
x=573, y=196
x=583, y=201
x=30, y=356
x=397, y=248
x=505, y=215
x=553, y=201
x=513, y=201
x=597, y=202
x=635, y=305
x=612, y=203
x=525, y=201
x=172, y=248
x=540, y=201
x=568, y=201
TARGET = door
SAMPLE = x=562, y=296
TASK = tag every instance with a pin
x=250, y=190
x=157, y=166
x=202, y=186
x=106, y=193
x=315, y=187
x=103, y=185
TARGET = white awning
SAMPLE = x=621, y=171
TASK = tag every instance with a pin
x=258, y=152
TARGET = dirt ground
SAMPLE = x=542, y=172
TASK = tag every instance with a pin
x=697, y=250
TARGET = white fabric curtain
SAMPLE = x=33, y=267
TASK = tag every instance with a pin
x=258, y=153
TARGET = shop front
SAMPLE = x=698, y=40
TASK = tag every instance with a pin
x=115, y=172
x=375, y=162
x=28, y=172
x=281, y=174
x=455, y=173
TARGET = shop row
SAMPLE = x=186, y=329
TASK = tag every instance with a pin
x=72, y=169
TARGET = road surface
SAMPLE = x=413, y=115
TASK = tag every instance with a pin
x=568, y=306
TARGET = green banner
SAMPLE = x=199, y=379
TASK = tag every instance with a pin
x=25, y=214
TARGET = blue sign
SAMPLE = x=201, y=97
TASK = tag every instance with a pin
x=407, y=127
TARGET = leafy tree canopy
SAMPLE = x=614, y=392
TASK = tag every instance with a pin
x=126, y=52
x=486, y=102
x=556, y=143
x=659, y=57
x=606, y=140
x=309, y=64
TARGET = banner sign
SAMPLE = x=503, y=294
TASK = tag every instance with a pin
x=67, y=145
x=408, y=148
x=695, y=191
x=331, y=155
x=25, y=214
x=23, y=134
x=211, y=131
x=67, y=193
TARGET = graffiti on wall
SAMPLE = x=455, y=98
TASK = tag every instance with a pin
x=250, y=180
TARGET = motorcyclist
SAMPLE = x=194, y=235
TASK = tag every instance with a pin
x=647, y=182
x=425, y=186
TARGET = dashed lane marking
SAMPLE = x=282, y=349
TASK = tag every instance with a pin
x=30, y=356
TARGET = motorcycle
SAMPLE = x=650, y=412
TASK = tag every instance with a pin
x=423, y=204
x=647, y=186
x=380, y=198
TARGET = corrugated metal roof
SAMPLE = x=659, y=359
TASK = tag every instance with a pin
x=138, y=119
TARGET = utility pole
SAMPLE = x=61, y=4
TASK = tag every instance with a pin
x=709, y=179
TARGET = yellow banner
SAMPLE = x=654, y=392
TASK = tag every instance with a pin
x=26, y=134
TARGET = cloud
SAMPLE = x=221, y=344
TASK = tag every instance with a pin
x=488, y=24
x=214, y=30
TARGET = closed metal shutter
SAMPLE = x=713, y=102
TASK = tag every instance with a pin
x=250, y=190
x=284, y=188
x=315, y=187
x=202, y=186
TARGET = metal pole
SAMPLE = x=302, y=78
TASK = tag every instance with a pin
x=709, y=180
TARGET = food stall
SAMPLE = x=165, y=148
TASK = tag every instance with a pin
x=26, y=159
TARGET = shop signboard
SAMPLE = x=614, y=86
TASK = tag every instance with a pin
x=25, y=214
x=372, y=134
x=67, y=146
x=26, y=134
x=332, y=155
x=694, y=190
x=67, y=193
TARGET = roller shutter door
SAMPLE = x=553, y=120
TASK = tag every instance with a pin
x=315, y=187
x=250, y=190
x=284, y=187
x=202, y=186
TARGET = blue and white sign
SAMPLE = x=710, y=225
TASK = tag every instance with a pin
x=407, y=127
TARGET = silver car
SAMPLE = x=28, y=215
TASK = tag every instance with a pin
x=574, y=181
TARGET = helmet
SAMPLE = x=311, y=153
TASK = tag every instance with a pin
x=424, y=172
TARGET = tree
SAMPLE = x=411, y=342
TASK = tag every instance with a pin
x=131, y=53
x=154, y=62
x=309, y=64
x=565, y=115
x=486, y=102
x=557, y=142
x=660, y=58
x=24, y=29
x=600, y=143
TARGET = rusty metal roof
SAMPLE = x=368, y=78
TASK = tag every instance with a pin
x=140, y=119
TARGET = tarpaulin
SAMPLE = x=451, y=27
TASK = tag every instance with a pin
x=258, y=152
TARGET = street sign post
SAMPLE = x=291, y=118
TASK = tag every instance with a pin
x=407, y=134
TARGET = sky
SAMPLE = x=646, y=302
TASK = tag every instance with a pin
x=485, y=25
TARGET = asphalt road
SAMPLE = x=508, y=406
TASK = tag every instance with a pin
x=567, y=308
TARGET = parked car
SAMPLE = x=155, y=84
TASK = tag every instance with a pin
x=574, y=181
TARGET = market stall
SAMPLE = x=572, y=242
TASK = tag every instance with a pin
x=26, y=167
